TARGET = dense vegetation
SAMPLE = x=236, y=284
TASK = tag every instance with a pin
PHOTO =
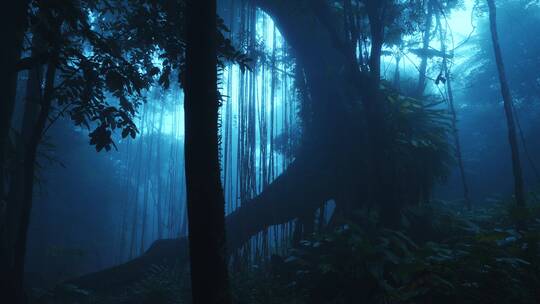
x=266, y=151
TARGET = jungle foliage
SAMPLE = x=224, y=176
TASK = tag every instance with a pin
x=107, y=58
x=374, y=147
x=476, y=257
x=440, y=254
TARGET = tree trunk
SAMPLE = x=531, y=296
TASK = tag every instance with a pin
x=376, y=12
x=18, y=208
x=507, y=99
x=205, y=202
x=21, y=189
x=13, y=22
x=159, y=203
x=30, y=164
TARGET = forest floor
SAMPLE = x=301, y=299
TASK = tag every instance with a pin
x=442, y=254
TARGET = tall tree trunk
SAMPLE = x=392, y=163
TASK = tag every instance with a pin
x=125, y=201
x=272, y=105
x=148, y=179
x=13, y=22
x=205, y=202
x=159, y=199
x=18, y=208
x=376, y=11
x=507, y=99
x=30, y=164
x=21, y=189
x=138, y=162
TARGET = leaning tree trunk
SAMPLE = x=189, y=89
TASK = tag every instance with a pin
x=336, y=139
x=507, y=99
x=205, y=201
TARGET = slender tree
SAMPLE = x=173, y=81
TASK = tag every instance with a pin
x=159, y=194
x=452, y=108
x=507, y=100
x=205, y=202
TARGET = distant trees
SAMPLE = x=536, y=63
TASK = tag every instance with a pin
x=508, y=107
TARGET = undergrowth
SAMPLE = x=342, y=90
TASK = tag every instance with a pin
x=442, y=255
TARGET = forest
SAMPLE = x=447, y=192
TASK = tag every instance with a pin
x=270, y=151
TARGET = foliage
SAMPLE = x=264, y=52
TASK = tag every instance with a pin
x=98, y=83
x=469, y=258
x=108, y=53
x=418, y=132
x=404, y=20
x=421, y=129
x=163, y=284
x=166, y=285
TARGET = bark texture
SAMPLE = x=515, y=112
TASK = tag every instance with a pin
x=508, y=105
x=205, y=201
